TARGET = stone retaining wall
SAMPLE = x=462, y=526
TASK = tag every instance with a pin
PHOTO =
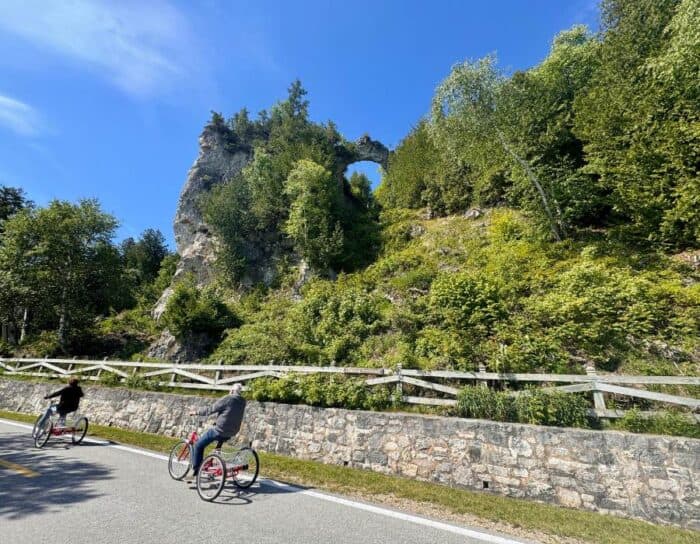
x=656, y=478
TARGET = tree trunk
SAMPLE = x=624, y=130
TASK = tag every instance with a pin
x=556, y=228
x=25, y=322
x=63, y=319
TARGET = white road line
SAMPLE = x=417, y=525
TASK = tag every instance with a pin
x=463, y=531
x=471, y=533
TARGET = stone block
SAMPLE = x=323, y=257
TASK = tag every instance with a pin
x=568, y=497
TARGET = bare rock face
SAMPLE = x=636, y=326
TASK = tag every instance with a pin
x=167, y=347
x=366, y=149
x=195, y=244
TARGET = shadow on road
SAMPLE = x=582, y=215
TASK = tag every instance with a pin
x=233, y=496
x=60, y=481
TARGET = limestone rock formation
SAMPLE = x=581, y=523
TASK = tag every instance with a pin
x=214, y=164
x=366, y=149
x=218, y=161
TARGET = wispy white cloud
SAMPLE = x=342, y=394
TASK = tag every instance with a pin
x=142, y=47
x=19, y=117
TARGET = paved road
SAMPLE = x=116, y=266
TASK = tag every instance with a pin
x=100, y=493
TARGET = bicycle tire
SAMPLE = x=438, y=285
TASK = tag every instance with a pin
x=36, y=425
x=211, y=480
x=247, y=457
x=176, y=467
x=43, y=434
x=79, y=431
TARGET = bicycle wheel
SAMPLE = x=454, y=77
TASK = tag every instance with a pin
x=43, y=433
x=80, y=428
x=246, y=466
x=211, y=477
x=180, y=460
x=36, y=425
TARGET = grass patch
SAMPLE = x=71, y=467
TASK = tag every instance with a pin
x=553, y=520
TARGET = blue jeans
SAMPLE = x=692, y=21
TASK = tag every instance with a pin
x=209, y=436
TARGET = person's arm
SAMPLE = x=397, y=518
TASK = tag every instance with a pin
x=55, y=393
x=217, y=407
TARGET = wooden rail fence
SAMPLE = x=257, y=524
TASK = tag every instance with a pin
x=220, y=377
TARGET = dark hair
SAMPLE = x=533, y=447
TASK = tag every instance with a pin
x=73, y=381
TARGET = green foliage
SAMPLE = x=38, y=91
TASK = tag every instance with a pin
x=412, y=168
x=317, y=390
x=225, y=209
x=672, y=423
x=109, y=379
x=332, y=320
x=60, y=265
x=465, y=302
x=535, y=406
x=639, y=117
x=12, y=200
x=41, y=344
x=313, y=193
x=6, y=349
x=134, y=381
x=145, y=255
x=121, y=336
x=292, y=190
x=193, y=311
x=151, y=292
x=262, y=338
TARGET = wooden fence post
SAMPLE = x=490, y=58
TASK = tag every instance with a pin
x=598, y=397
x=399, y=384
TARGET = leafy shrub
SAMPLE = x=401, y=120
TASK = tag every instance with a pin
x=191, y=310
x=533, y=406
x=484, y=403
x=332, y=321
x=139, y=382
x=43, y=344
x=109, y=379
x=6, y=349
x=465, y=301
x=438, y=348
x=671, y=423
x=318, y=390
x=540, y=407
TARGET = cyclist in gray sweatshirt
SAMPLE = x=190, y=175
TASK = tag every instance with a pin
x=230, y=411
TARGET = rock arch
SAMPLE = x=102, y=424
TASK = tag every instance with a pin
x=216, y=163
x=365, y=149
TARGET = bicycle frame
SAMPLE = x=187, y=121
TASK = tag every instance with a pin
x=231, y=471
x=65, y=429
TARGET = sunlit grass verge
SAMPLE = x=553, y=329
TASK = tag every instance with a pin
x=552, y=520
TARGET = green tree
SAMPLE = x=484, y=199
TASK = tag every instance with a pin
x=536, y=116
x=226, y=209
x=413, y=166
x=63, y=258
x=12, y=200
x=145, y=255
x=468, y=127
x=191, y=310
x=317, y=236
x=639, y=118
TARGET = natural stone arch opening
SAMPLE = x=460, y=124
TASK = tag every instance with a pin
x=371, y=169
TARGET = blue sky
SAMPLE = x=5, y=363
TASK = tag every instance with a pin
x=106, y=99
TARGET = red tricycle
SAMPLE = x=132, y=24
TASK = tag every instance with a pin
x=47, y=426
x=240, y=465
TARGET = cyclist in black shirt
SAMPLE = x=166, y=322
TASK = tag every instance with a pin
x=67, y=403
